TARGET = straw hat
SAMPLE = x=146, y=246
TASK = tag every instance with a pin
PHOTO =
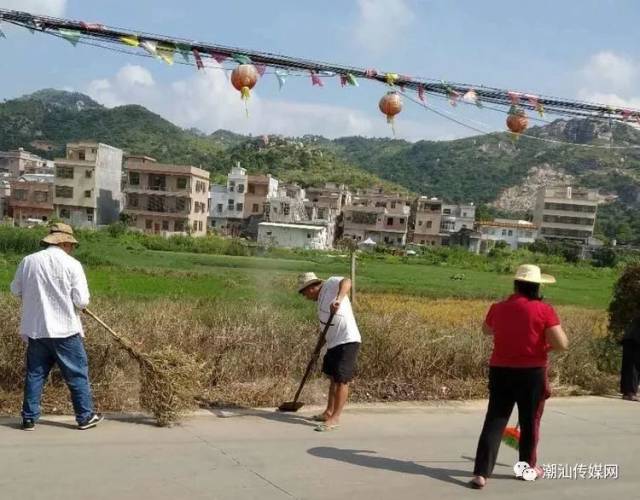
x=59, y=233
x=532, y=274
x=306, y=280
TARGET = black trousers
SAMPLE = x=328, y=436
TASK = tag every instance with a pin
x=630, y=372
x=525, y=387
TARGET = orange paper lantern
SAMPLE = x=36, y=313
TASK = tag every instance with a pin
x=517, y=121
x=390, y=105
x=244, y=77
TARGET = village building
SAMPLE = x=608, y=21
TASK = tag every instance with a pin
x=566, y=213
x=306, y=236
x=31, y=199
x=19, y=161
x=166, y=199
x=515, y=233
x=87, y=186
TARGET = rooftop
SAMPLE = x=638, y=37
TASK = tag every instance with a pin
x=292, y=226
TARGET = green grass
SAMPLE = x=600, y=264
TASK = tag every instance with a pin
x=135, y=272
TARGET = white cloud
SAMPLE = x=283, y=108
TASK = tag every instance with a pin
x=610, y=78
x=206, y=100
x=43, y=7
x=380, y=21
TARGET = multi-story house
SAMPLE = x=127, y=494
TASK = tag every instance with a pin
x=566, y=213
x=515, y=233
x=385, y=226
x=427, y=221
x=5, y=194
x=260, y=188
x=31, y=199
x=328, y=201
x=166, y=199
x=19, y=161
x=457, y=217
x=87, y=187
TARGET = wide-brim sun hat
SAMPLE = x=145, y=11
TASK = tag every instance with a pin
x=532, y=274
x=305, y=280
x=59, y=233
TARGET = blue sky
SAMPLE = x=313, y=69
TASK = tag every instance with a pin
x=586, y=49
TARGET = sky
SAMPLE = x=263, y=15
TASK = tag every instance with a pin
x=577, y=49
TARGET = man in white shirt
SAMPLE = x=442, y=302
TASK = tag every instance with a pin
x=54, y=290
x=342, y=340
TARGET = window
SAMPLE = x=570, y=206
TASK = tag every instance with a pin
x=64, y=191
x=251, y=189
x=401, y=220
x=308, y=235
x=81, y=156
x=464, y=214
x=64, y=213
x=148, y=224
x=429, y=224
x=419, y=223
x=240, y=188
x=88, y=174
x=87, y=194
x=219, y=207
x=64, y=172
x=446, y=211
x=510, y=232
x=181, y=182
x=90, y=214
x=232, y=186
x=178, y=226
x=230, y=205
x=200, y=225
x=255, y=208
x=504, y=232
x=269, y=233
x=41, y=196
x=181, y=204
x=239, y=207
x=393, y=204
x=20, y=194
x=165, y=225
x=133, y=200
x=286, y=209
x=134, y=178
x=389, y=221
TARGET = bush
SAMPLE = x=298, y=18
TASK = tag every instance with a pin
x=625, y=304
x=19, y=240
x=605, y=257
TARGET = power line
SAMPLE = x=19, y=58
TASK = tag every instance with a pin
x=487, y=95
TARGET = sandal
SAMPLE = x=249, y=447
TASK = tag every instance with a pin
x=319, y=418
x=326, y=428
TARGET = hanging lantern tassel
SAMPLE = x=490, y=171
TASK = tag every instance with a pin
x=243, y=78
x=391, y=105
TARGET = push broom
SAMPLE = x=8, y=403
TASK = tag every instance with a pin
x=511, y=437
x=295, y=405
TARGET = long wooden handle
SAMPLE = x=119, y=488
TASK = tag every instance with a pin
x=123, y=341
x=314, y=356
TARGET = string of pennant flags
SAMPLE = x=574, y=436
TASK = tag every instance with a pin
x=249, y=66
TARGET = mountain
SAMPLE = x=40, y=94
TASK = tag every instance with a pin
x=496, y=170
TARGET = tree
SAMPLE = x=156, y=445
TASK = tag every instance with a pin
x=605, y=257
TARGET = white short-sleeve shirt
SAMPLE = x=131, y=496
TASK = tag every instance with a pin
x=343, y=329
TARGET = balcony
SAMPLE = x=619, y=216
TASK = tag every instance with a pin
x=157, y=189
x=146, y=210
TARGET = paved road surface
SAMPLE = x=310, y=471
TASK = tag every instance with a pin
x=382, y=452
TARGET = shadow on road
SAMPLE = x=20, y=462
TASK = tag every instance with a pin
x=367, y=458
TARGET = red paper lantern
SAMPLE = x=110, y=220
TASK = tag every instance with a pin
x=517, y=121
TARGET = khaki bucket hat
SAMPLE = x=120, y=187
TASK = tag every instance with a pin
x=532, y=274
x=59, y=233
x=306, y=280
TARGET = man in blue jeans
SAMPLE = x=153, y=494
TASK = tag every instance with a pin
x=54, y=290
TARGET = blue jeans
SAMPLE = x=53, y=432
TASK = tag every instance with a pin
x=71, y=358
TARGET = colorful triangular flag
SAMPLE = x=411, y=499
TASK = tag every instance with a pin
x=471, y=97
x=219, y=58
x=391, y=78
x=514, y=97
x=351, y=80
x=281, y=75
x=166, y=52
x=150, y=46
x=72, y=36
x=421, y=92
x=241, y=59
x=184, y=51
x=315, y=79
x=198, y=58
x=132, y=41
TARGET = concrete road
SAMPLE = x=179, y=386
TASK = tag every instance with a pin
x=381, y=452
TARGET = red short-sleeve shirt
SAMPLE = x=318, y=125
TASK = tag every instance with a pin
x=518, y=326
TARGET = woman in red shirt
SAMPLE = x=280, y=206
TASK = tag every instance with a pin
x=524, y=330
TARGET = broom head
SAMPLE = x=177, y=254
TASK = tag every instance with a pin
x=290, y=406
